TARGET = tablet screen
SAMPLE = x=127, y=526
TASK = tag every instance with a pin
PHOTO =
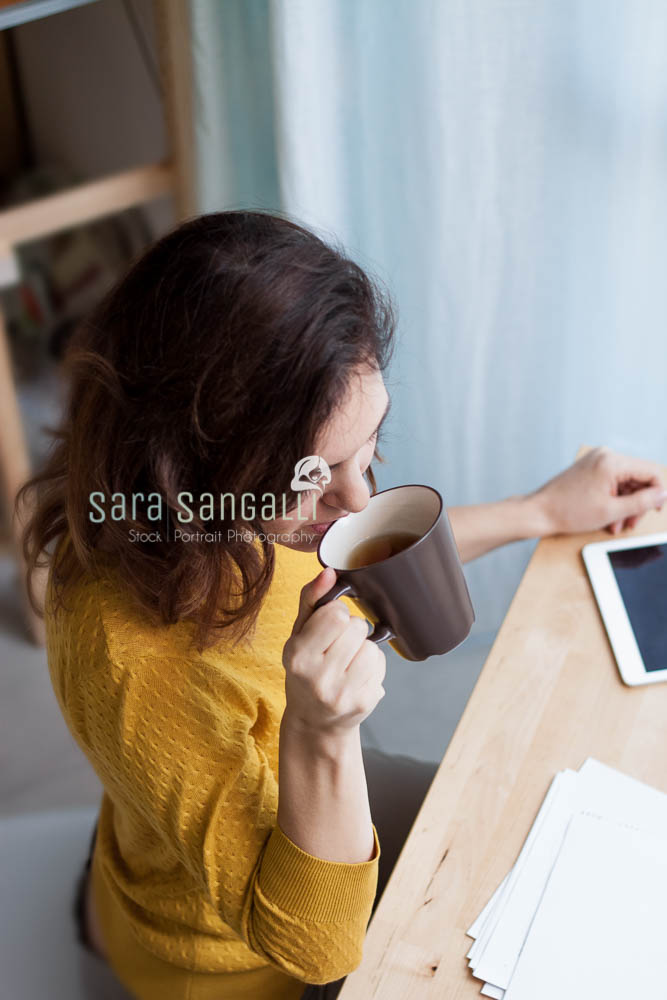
x=641, y=575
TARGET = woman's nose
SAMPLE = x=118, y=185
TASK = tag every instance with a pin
x=351, y=494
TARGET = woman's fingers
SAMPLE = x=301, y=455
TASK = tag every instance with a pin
x=325, y=625
x=641, y=471
x=636, y=503
x=341, y=652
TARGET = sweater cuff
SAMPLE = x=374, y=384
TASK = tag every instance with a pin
x=314, y=889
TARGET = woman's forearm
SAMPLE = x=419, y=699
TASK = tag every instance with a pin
x=323, y=799
x=478, y=528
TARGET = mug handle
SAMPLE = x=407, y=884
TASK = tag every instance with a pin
x=380, y=633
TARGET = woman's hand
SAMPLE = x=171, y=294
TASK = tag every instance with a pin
x=601, y=490
x=334, y=673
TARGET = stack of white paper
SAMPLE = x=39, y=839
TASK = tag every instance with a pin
x=581, y=912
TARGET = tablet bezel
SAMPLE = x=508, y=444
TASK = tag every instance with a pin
x=612, y=609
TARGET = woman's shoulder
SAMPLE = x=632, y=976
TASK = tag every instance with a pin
x=98, y=610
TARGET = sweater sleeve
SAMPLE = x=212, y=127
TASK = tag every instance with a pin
x=184, y=748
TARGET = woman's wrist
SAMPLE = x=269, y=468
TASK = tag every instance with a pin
x=533, y=515
x=323, y=800
x=479, y=528
x=325, y=743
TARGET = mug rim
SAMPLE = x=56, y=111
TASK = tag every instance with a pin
x=408, y=548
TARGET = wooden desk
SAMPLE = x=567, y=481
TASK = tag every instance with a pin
x=549, y=696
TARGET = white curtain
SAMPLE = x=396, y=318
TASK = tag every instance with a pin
x=502, y=166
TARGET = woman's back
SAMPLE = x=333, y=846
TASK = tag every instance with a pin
x=190, y=867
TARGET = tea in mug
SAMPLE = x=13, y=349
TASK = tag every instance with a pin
x=372, y=550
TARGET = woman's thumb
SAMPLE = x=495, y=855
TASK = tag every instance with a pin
x=324, y=582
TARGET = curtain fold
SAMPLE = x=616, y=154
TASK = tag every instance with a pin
x=502, y=166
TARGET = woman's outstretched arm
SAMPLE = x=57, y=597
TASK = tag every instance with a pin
x=600, y=490
x=479, y=528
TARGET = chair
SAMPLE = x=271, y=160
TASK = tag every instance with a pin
x=42, y=855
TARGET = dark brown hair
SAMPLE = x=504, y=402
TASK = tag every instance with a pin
x=211, y=367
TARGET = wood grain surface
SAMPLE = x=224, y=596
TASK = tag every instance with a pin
x=549, y=696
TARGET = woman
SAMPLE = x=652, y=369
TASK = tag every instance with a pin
x=237, y=853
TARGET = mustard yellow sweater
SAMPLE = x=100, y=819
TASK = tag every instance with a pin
x=199, y=892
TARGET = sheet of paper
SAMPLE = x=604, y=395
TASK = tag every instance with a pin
x=484, y=929
x=475, y=929
x=599, y=928
x=488, y=990
x=499, y=946
x=596, y=788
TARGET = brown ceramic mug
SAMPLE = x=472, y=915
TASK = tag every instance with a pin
x=413, y=588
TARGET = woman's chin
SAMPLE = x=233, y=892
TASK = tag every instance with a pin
x=302, y=541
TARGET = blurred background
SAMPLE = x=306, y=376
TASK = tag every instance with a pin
x=501, y=166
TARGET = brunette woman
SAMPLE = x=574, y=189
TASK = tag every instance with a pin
x=244, y=836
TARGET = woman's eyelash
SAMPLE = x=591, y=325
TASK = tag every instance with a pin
x=376, y=434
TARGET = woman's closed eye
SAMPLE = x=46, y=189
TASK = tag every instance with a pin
x=373, y=438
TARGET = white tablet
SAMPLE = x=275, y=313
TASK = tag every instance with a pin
x=629, y=579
